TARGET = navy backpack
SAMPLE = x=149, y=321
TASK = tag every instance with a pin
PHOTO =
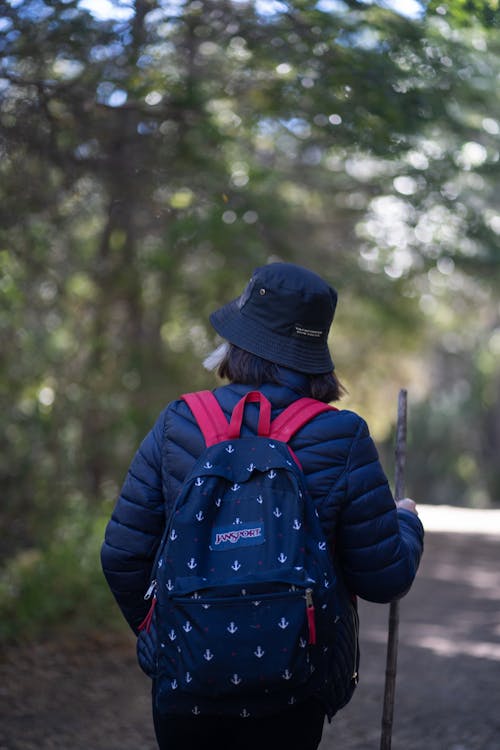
x=244, y=604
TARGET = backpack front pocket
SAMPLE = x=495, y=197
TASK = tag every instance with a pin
x=249, y=642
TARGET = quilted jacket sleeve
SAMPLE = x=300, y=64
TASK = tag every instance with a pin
x=135, y=528
x=379, y=545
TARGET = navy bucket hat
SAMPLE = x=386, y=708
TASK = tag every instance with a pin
x=284, y=315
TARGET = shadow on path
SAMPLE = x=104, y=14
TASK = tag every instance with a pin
x=90, y=695
x=448, y=683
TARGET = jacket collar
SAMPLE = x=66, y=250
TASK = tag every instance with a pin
x=293, y=385
x=296, y=381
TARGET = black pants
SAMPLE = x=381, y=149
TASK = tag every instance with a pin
x=299, y=728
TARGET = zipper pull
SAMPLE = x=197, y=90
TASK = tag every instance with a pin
x=311, y=618
x=146, y=623
x=152, y=587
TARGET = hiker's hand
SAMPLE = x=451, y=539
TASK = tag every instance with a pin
x=407, y=504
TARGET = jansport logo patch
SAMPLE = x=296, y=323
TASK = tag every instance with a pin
x=245, y=535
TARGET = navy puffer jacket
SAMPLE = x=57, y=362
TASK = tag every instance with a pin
x=377, y=545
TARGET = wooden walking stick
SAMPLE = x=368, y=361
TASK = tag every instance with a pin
x=392, y=639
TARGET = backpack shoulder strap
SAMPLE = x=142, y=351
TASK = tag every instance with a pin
x=209, y=416
x=296, y=416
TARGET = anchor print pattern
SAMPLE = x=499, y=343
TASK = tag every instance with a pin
x=227, y=610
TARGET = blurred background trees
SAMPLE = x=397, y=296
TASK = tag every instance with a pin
x=152, y=153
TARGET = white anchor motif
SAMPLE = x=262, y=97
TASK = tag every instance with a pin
x=218, y=502
x=271, y=474
x=208, y=465
x=208, y=655
x=195, y=595
x=192, y=564
x=287, y=675
x=173, y=535
x=173, y=684
x=188, y=678
x=230, y=449
x=326, y=583
x=199, y=482
x=271, y=445
x=187, y=627
x=259, y=652
x=282, y=558
x=236, y=679
x=232, y=628
x=238, y=521
x=235, y=487
x=236, y=565
x=206, y=606
x=302, y=643
x=199, y=516
x=256, y=602
x=260, y=499
x=251, y=467
x=322, y=546
x=160, y=562
x=162, y=645
x=169, y=585
x=172, y=635
x=196, y=711
x=244, y=714
x=283, y=623
x=277, y=513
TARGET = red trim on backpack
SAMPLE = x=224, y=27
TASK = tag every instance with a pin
x=264, y=425
x=311, y=623
x=209, y=416
x=215, y=427
x=296, y=416
x=295, y=457
x=146, y=623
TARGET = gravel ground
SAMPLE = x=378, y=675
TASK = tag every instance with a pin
x=88, y=694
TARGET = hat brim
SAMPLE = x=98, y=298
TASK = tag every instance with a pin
x=311, y=357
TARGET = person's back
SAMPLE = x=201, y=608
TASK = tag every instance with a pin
x=343, y=475
x=376, y=547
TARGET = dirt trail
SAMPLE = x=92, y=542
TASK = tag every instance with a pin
x=89, y=694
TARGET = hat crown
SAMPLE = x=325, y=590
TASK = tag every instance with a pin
x=290, y=300
x=283, y=315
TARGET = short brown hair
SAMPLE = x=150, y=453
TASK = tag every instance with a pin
x=240, y=366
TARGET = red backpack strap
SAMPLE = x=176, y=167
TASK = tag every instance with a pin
x=264, y=424
x=296, y=416
x=209, y=416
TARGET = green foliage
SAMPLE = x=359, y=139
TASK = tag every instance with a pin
x=57, y=586
x=151, y=159
x=462, y=12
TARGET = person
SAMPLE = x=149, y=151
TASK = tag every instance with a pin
x=275, y=339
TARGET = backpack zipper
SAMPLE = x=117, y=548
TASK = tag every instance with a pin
x=151, y=589
x=151, y=592
x=311, y=618
x=354, y=621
